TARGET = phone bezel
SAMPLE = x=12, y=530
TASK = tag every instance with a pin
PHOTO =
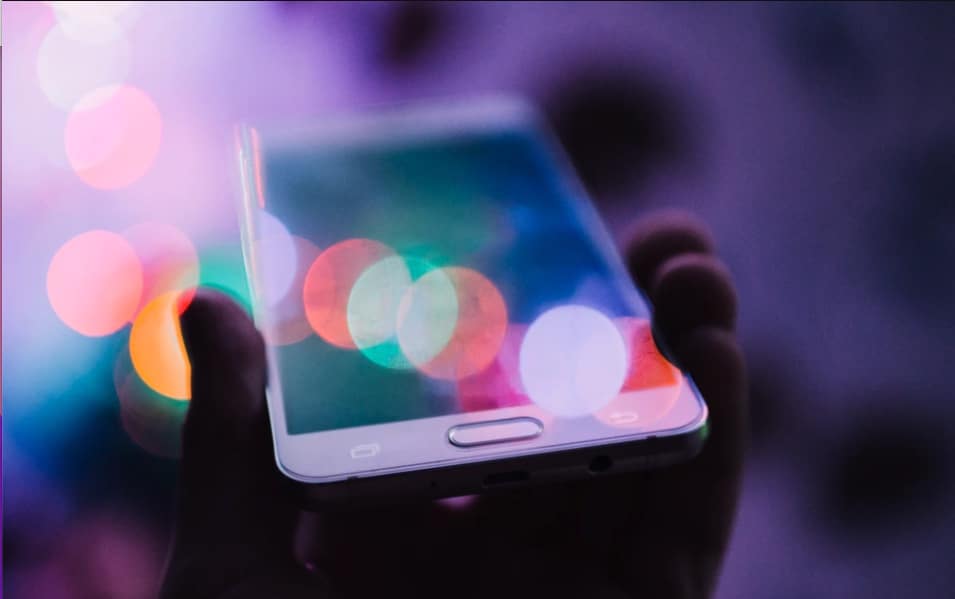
x=299, y=456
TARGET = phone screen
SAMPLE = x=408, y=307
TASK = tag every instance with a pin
x=407, y=276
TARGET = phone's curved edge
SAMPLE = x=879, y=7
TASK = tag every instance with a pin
x=565, y=465
x=697, y=426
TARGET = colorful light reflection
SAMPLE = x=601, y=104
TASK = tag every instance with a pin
x=157, y=349
x=329, y=282
x=573, y=361
x=288, y=323
x=168, y=258
x=652, y=385
x=69, y=68
x=372, y=311
x=275, y=249
x=479, y=327
x=112, y=136
x=94, y=283
x=427, y=316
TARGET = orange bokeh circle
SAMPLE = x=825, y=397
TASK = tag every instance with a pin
x=157, y=349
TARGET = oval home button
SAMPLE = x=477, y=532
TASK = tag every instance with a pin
x=495, y=431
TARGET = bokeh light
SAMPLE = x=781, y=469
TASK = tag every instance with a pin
x=275, y=256
x=68, y=68
x=329, y=282
x=222, y=268
x=427, y=316
x=480, y=327
x=652, y=385
x=157, y=349
x=287, y=322
x=150, y=419
x=499, y=385
x=372, y=311
x=94, y=283
x=113, y=136
x=573, y=361
x=168, y=258
x=648, y=367
x=93, y=21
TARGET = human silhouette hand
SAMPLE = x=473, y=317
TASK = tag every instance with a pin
x=239, y=532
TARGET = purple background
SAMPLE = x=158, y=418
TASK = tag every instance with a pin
x=818, y=141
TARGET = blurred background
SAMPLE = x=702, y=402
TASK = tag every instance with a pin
x=817, y=140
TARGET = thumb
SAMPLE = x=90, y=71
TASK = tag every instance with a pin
x=235, y=511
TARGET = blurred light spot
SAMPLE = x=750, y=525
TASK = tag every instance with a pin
x=460, y=502
x=153, y=421
x=94, y=283
x=499, y=385
x=480, y=329
x=93, y=21
x=426, y=317
x=372, y=311
x=489, y=389
x=651, y=387
x=112, y=136
x=573, y=361
x=223, y=269
x=274, y=252
x=169, y=260
x=287, y=320
x=329, y=282
x=68, y=68
x=648, y=367
x=156, y=347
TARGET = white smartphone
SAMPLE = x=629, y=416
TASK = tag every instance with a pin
x=444, y=311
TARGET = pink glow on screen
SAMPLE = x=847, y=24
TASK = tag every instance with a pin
x=651, y=388
x=329, y=282
x=94, y=283
x=499, y=385
x=113, y=136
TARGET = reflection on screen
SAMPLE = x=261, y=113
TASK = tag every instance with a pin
x=441, y=275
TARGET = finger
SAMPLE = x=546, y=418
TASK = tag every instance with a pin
x=235, y=511
x=655, y=239
x=714, y=360
x=690, y=291
x=690, y=508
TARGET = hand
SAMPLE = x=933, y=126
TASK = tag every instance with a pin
x=653, y=534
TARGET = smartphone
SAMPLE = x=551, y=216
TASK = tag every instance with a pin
x=444, y=312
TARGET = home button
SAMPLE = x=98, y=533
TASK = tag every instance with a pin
x=495, y=431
